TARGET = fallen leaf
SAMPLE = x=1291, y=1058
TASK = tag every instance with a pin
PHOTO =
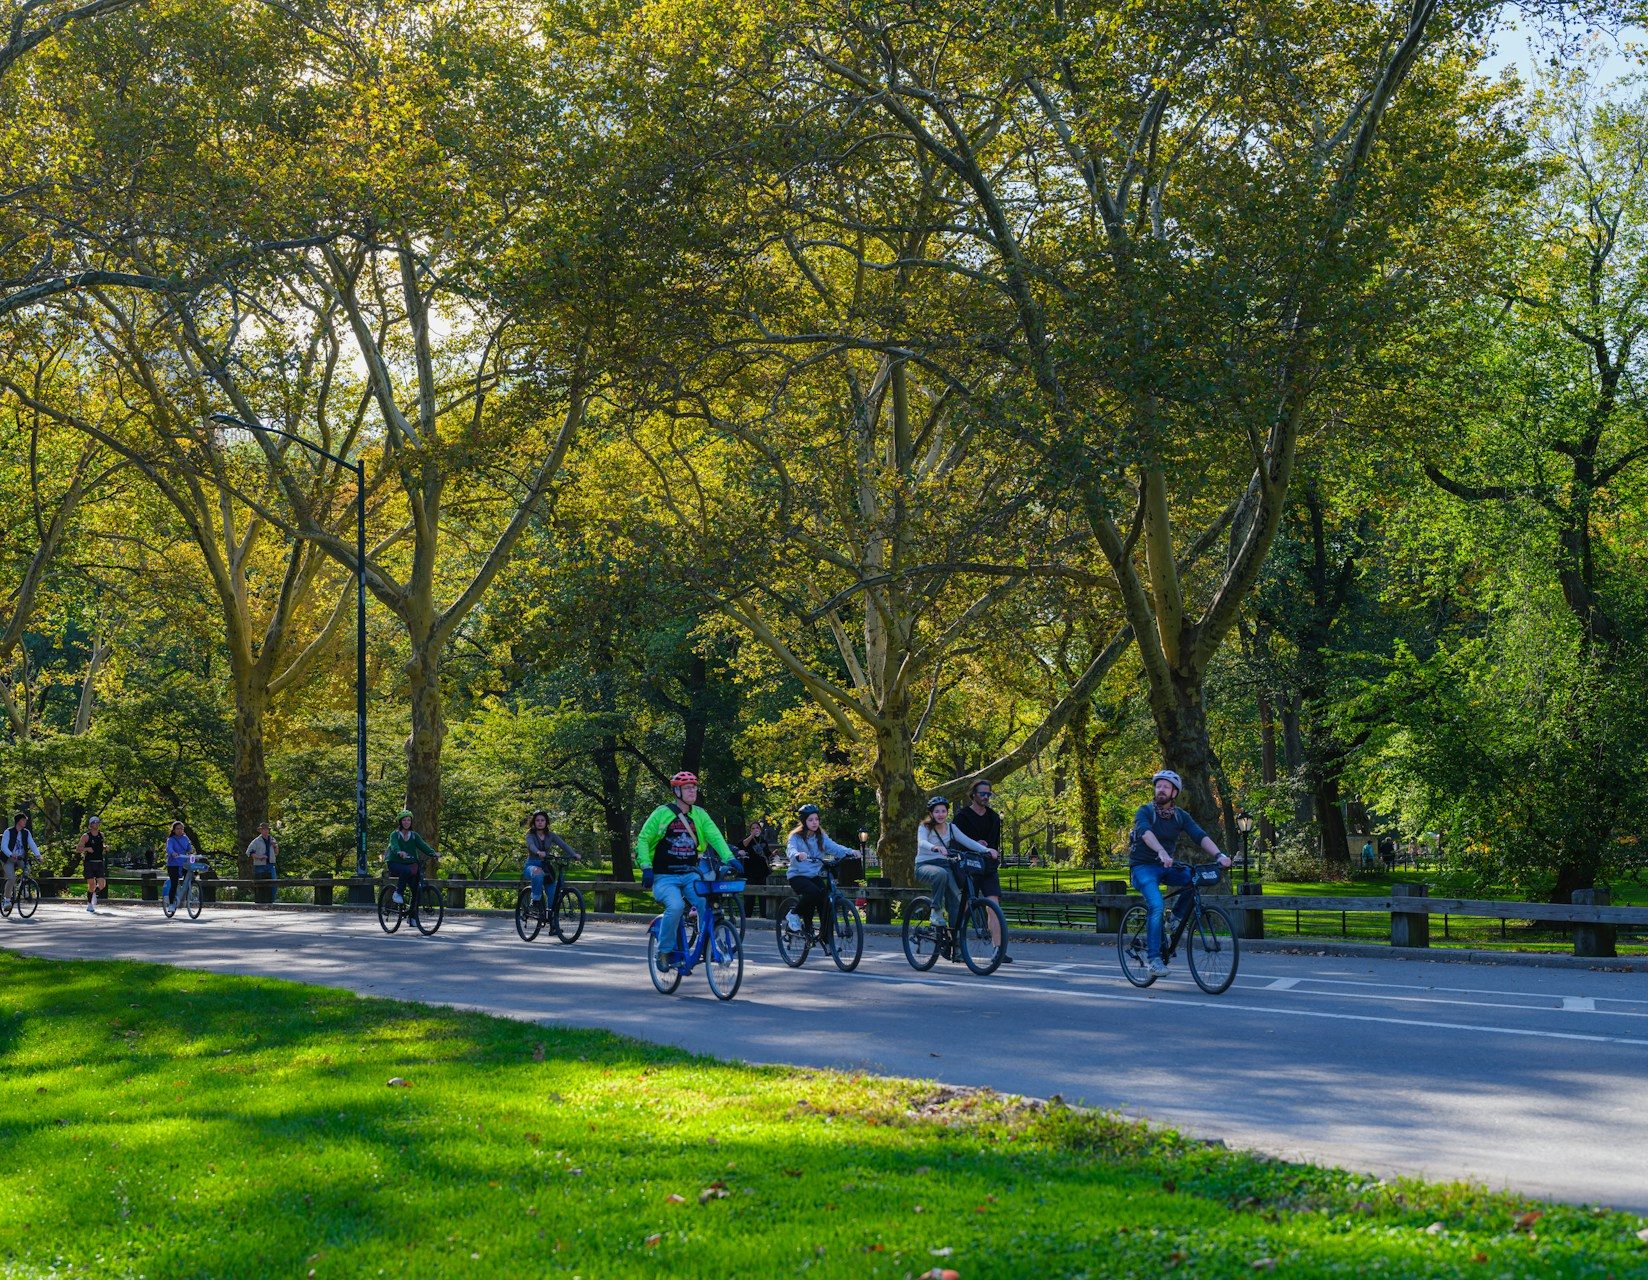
x=1527, y=1220
x=1435, y=1229
x=673, y=1198
x=792, y=1173
x=532, y=1211
x=396, y=1082
x=652, y=1241
x=1643, y=1235
x=1263, y=1264
x=538, y=1051
x=1479, y=1257
x=875, y=1248
x=715, y=1191
x=941, y=1253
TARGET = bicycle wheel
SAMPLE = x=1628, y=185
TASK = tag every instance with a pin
x=849, y=934
x=431, y=909
x=192, y=900
x=390, y=912
x=978, y=952
x=1133, y=947
x=568, y=918
x=725, y=969
x=528, y=920
x=28, y=897
x=793, y=944
x=920, y=934
x=665, y=982
x=1211, y=945
x=168, y=900
x=735, y=907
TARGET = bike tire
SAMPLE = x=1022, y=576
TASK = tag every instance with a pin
x=735, y=907
x=568, y=918
x=168, y=902
x=1212, y=949
x=666, y=983
x=28, y=897
x=920, y=935
x=724, y=965
x=527, y=921
x=849, y=935
x=192, y=900
x=390, y=913
x=1133, y=946
x=792, y=946
x=978, y=953
x=431, y=910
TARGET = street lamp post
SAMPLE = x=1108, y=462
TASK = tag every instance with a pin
x=1244, y=824
x=359, y=468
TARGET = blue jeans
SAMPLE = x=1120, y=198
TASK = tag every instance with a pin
x=535, y=873
x=266, y=871
x=1149, y=880
x=675, y=892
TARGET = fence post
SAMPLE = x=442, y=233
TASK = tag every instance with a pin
x=605, y=900
x=1250, y=921
x=362, y=892
x=53, y=886
x=457, y=893
x=877, y=910
x=1593, y=939
x=150, y=887
x=1108, y=919
x=323, y=890
x=1410, y=928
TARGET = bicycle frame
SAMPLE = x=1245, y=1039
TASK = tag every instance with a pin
x=693, y=956
x=1170, y=943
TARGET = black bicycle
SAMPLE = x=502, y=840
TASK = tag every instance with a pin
x=1208, y=936
x=25, y=894
x=423, y=906
x=840, y=931
x=561, y=907
x=980, y=939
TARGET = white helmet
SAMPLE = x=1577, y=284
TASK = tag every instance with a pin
x=1167, y=775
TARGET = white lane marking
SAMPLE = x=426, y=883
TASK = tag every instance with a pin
x=1583, y=1004
x=1472, y=991
x=1282, y=984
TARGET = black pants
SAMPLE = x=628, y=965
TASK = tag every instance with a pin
x=755, y=872
x=814, y=892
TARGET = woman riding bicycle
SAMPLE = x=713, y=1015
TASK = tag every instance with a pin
x=668, y=850
x=808, y=848
x=1156, y=831
x=401, y=859
x=180, y=851
x=934, y=838
x=541, y=844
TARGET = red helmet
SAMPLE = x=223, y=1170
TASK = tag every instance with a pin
x=684, y=779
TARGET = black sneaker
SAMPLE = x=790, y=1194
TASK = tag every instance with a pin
x=1006, y=959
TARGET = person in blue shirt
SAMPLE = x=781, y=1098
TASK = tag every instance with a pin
x=1156, y=831
x=180, y=851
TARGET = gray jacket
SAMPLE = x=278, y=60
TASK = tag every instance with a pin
x=807, y=853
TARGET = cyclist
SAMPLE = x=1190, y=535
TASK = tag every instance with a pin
x=1156, y=831
x=401, y=858
x=809, y=848
x=179, y=850
x=978, y=820
x=540, y=844
x=934, y=837
x=17, y=847
x=96, y=867
x=672, y=841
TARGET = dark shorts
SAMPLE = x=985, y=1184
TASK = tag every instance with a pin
x=987, y=883
x=96, y=869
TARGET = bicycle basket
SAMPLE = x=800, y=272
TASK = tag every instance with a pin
x=1208, y=875
x=972, y=863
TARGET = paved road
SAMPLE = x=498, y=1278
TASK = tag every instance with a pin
x=1532, y=1079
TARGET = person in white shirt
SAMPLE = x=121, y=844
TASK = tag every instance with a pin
x=934, y=837
x=261, y=852
x=16, y=846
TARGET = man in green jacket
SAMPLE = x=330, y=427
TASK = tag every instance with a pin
x=406, y=846
x=671, y=842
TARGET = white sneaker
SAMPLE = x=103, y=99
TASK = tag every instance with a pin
x=792, y=922
x=397, y=899
x=90, y=909
x=1158, y=968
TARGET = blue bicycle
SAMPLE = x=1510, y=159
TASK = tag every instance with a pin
x=716, y=944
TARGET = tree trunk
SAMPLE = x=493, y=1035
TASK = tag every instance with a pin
x=424, y=742
x=614, y=810
x=899, y=805
x=695, y=723
x=1181, y=732
x=1267, y=763
x=1576, y=870
x=1089, y=844
x=251, y=781
x=1330, y=818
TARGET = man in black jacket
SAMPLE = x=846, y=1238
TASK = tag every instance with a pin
x=980, y=822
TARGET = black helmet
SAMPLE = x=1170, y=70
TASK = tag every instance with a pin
x=936, y=801
x=807, y=811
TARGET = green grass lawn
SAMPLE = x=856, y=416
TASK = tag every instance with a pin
x=165, y=1123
